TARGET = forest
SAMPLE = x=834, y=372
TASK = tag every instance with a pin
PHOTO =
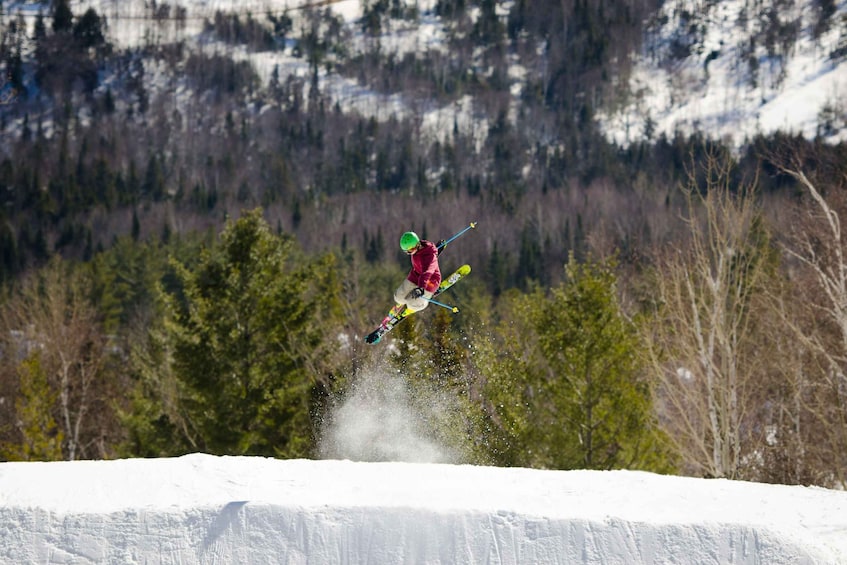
x=196, y=272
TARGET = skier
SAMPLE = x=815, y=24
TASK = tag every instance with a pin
x=422, y=283
x=424, y=278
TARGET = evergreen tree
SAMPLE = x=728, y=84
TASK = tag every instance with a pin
x=511, y=384
x=62, y=16
x=154, y=179
x=248, y=329
x=497, y=270
x=39, y=28
x=563, y=382
x=136, y=226
x=530, y=259
x=9, y=253
x=88, y=31
x=599, y=414
x=155, y=422
x=443, y=380
x=375, y=249
x=443, y=350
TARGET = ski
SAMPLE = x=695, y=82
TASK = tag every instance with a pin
x=394, y=317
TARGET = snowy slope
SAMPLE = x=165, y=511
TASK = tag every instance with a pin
x=714, y=90
x=204, y=509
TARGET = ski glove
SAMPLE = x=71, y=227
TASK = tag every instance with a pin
x=417, y=293
x=442, y=245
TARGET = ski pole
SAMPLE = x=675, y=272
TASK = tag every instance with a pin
x=437, y=303
x=470, y=227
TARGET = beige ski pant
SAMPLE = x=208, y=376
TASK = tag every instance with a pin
x=401, y=296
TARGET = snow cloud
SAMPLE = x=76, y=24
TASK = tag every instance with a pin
x=381, y=419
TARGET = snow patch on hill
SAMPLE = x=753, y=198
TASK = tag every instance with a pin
x=727, y=90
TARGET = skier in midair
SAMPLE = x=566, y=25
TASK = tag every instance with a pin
x=422, y=283
x=424, y=277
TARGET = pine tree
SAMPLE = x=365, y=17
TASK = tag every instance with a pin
x=497, y=270
x=510, y=384
x=62, y=16
x=154, y=179
x=249, y=341
x=529, y=261
x=88, y=31
x=563, y=383
x=39, y=31
x=599, y=413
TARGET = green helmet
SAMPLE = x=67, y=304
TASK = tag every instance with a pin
x=409, y=241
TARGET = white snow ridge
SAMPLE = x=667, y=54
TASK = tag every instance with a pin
x=206, y=509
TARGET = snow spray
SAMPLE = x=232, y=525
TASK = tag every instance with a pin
x=377, y=420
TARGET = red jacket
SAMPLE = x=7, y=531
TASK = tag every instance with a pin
x=425, y=272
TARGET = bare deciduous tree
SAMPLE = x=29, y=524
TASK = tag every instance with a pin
x=702, y=342
x=817, y=245
x=51, y=313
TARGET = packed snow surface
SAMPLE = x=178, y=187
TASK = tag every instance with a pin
x=207, y=509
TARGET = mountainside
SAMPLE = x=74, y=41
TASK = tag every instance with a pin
x=570, y=124
x=736, y=69
x=726, y=69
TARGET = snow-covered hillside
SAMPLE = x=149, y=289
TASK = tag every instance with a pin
x=204, y=509
x=722, y=87
x=729, y=85
x=705, y=66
